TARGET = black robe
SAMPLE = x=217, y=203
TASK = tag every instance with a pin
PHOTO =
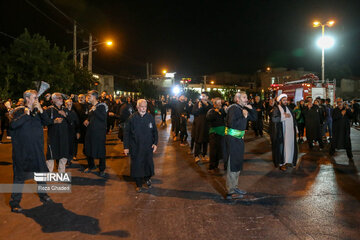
x=312, y=123
x=58, y=135
x=140, y=134
x=258, y=123
x=235, y=147
x=28, y=141
x=82, y=110
x=74, y=128
x=95, y=137
x=200, y=125
x=277, y=137
x=341, y=129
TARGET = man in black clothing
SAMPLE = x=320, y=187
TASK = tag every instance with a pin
x=312, y=124
x=163, y=107
x=82, y=109
x=140, y=140
x=215, y=118
x=95, y=137
x=3, y=119
x=122, y=114
x=28, y=145
x=258, y=124
x=341, y=129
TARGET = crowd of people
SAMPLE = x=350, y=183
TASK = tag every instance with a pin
x=218, y=124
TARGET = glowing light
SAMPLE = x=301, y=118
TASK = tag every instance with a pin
x=316, y=24
x=164, y=71
x=109, y=43
x=268, y=69
x=176, y=90
x=330, y=23
x=325, y=42
x=212, y=82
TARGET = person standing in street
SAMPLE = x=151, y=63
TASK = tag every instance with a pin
x=284, y=146
x=58, y=134
x=28, y=145
x=341, y=129
x=216, y=120
x=82, y=110
x=95, y=137
x=201, y=126
x=300, y=121
x=258, y=124
x=140, y=141
x=236, y=119
x=312, y=124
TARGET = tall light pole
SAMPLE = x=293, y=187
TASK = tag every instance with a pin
x=324, y=42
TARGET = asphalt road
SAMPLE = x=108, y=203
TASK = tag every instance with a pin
x=319, y=200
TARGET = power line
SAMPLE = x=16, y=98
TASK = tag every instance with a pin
x=59, y=25
x=15, y=38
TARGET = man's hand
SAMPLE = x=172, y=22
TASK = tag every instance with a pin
x=58, y=120
x=27, y=111
x=38, y=106
x=248, y=106
x=111, y=114
x=343, y=112
x=126, y=151
x=258, y=109
x=245, y=113
x=154, y=147
x=61, y=112
x=77, y=135
x=287, y=115
x=86, y=123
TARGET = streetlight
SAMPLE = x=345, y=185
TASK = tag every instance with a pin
x=324, y=42
x=212, y=82
x=82, y=52
x=164, y=71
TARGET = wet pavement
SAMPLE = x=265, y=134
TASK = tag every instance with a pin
x=319, y=200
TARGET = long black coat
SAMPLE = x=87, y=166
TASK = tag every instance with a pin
x=82, y=110
x=74, y=128
x=341, y=129
x=235, y=147
x=312, y=123
x=140, y=134
x=28, y=141
x=200, y=125
x=258, y=123
x=277, y=137
x=58, y=135
x=95, y=137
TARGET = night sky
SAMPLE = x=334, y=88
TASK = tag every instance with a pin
x=196, y=37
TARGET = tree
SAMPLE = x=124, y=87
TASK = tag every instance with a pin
x=148, y=89
x=215, y=94
x=191, y=94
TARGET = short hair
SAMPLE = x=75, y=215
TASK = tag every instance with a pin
x=217, y=99
x=28, y=93
x=94, y=93
x=205, y=93
x=68, y=100
x=81, y=95
x=140, y=101
x=56, y=95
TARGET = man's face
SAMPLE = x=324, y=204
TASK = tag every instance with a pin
x=302, y=102
x=271, y=102
x=103, y=94
x=284, y=101
x=142, y=108
x=309, y=100
x=316, y=102
x=204, y=97
x=181, y=98
x=218, y=104
x=68, y=104
x=30, y=100
x=243, y=100
x=58, y=101
x=90, y=98
x=257, y=99
x=82, y=99
x=340, y=104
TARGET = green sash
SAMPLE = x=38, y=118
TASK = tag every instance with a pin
x=218, y=130
x=235, y=133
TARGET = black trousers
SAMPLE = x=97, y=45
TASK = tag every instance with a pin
x=258, y=127
x=200, y=148
x=16, y=197
x=216, y=144
x=301, y=127
x=139, y=180
x=163, y=116
x=183, y=135
x=102, y=163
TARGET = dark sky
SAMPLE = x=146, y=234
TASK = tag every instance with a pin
x=196, y=37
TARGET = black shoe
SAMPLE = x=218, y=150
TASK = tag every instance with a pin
x=232, y=196
x=46, y=200
x=17, y=209
x=102, y=174
x=148, y=183
x=240, y=192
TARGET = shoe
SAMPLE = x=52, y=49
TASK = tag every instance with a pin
x=197, y=160
x=148, y=183
x=102, y=174
x=283, y=168
x=239, y=191
x=138, y=189
x=183, y=144
x=17, y=209
x=205, y=158
x=231, y=196
x=88, y=170
x=46, y=200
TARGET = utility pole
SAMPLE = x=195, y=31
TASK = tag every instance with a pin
x=147, y=71
x=82, y=53
x=75, y=43
x=205, y=83
x=90, y=53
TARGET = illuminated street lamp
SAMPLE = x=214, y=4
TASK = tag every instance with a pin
x=324, y=42
x=212, y=82
x=164, y=71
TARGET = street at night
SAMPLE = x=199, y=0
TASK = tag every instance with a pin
x=319, y=200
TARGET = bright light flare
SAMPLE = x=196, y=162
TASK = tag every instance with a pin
x=330, y=23
x=109, y=43
x=176, y=90
x=325, y=42
x=164, y=71
x=316, y=24
x=212, y=82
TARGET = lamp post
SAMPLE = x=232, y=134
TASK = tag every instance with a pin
x=324, y=42
x=89, y=52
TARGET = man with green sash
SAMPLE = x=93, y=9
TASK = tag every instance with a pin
x=237, y=116
x=215, y=118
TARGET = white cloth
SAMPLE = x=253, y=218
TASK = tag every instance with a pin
x=288, y=133
x=281, y=96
